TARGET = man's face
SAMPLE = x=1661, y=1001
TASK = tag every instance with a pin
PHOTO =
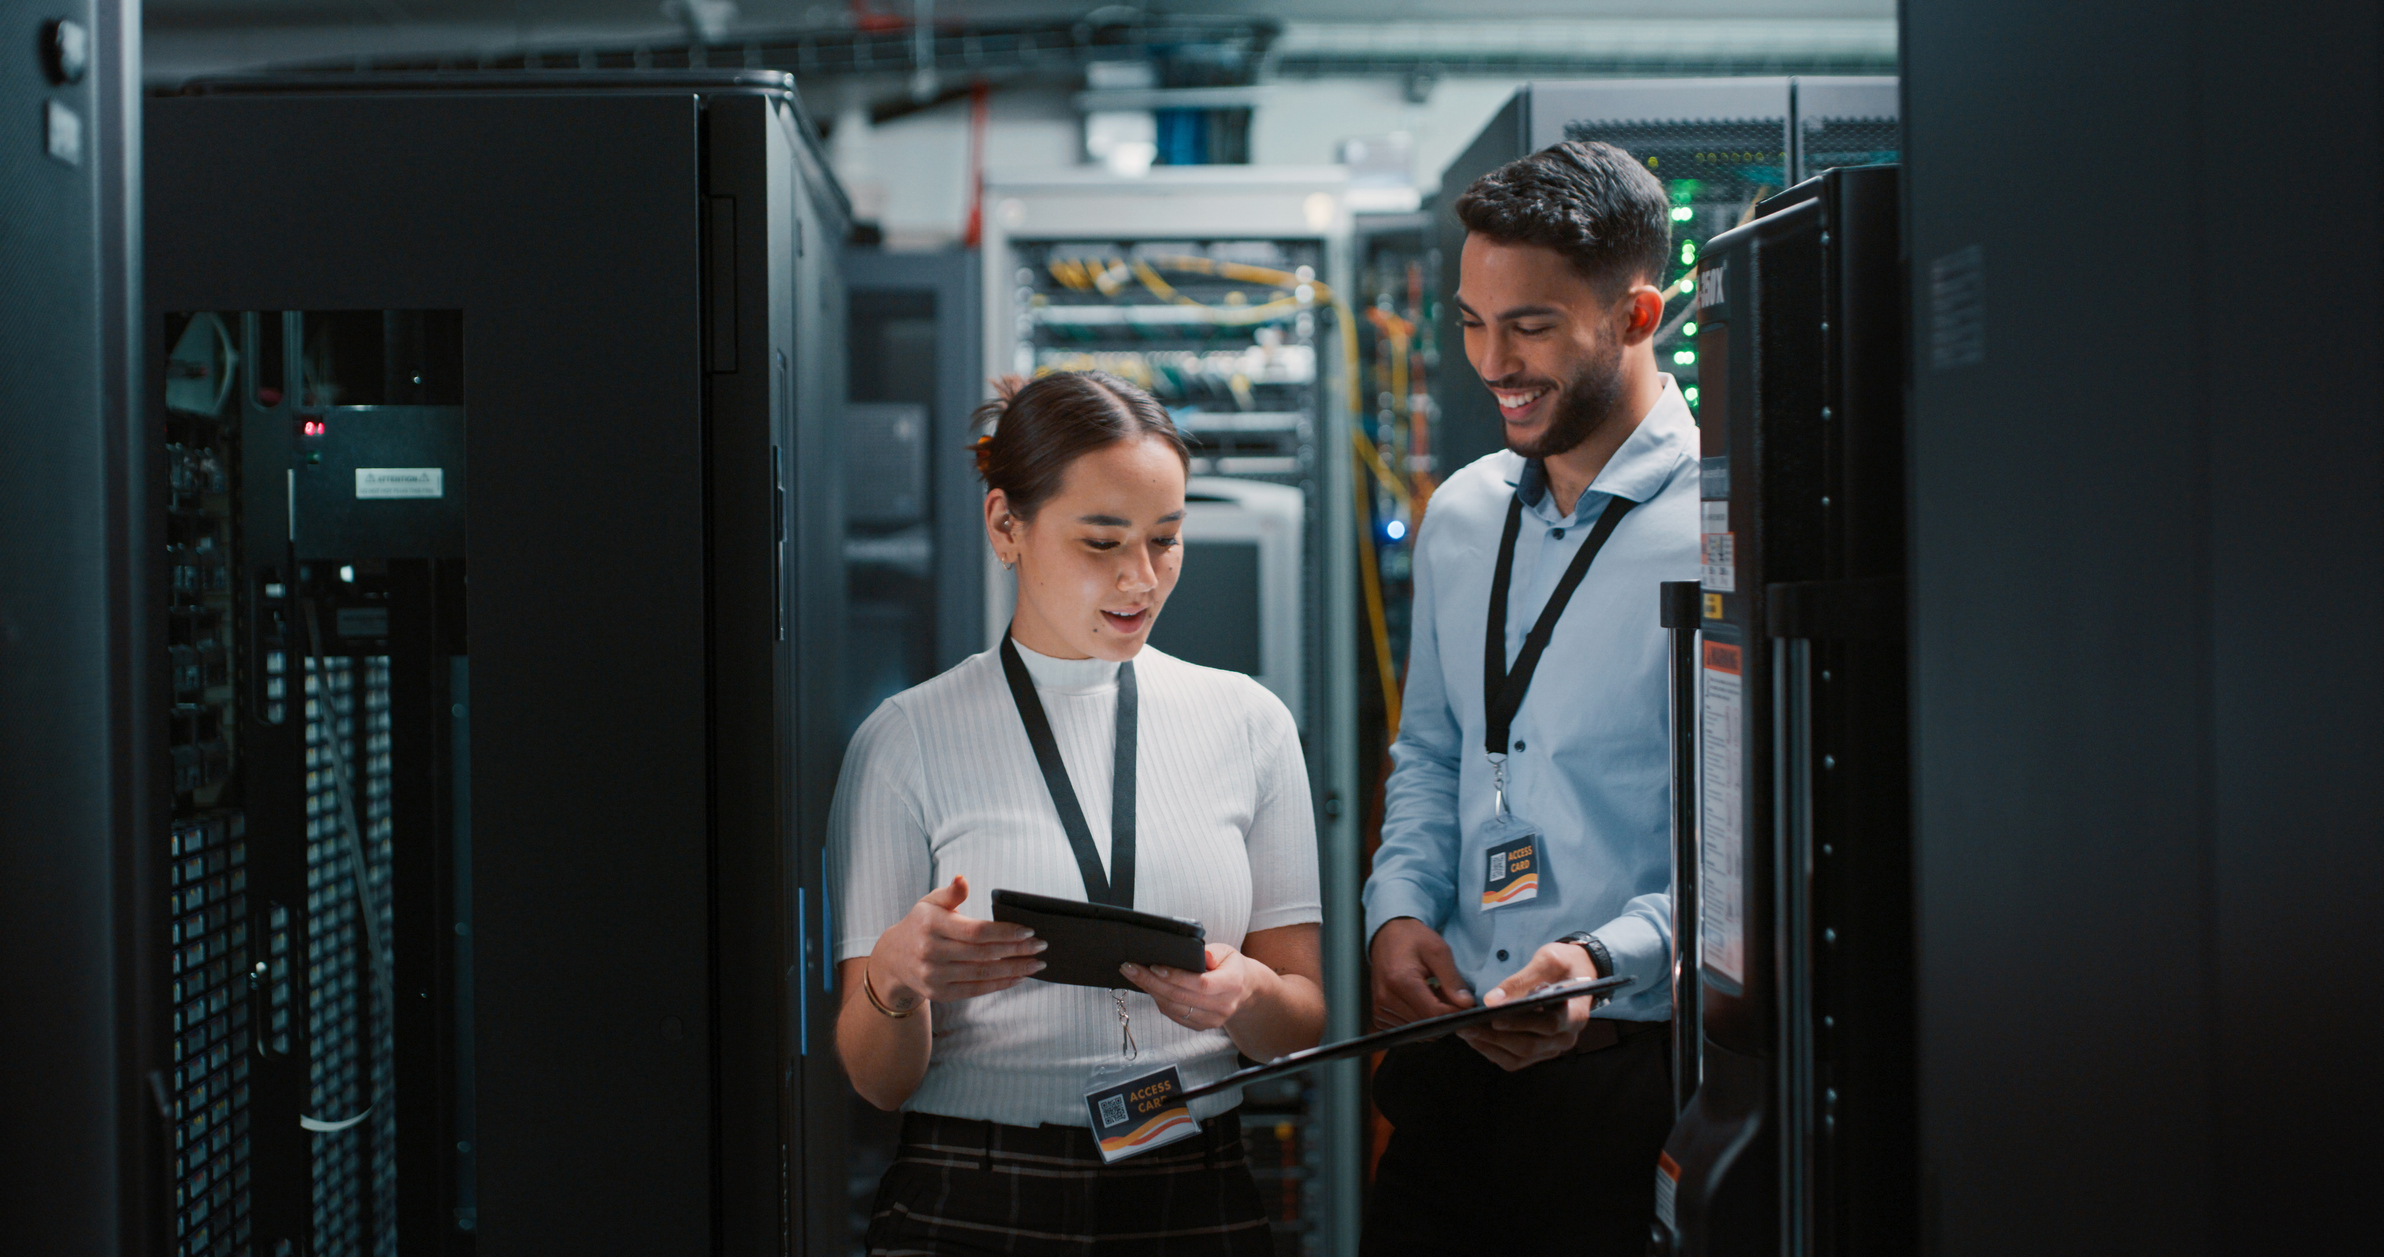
x=1544, y=339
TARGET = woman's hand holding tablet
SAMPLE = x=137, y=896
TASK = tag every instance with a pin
x=934, y=953
x=1203, y=1001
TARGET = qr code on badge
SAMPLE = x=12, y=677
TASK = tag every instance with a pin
x=1113, y=1110
x=1498, y=865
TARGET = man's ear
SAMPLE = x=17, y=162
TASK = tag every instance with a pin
x=1642, y=313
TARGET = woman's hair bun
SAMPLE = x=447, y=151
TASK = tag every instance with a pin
x=1038, y=427
x=989, y=417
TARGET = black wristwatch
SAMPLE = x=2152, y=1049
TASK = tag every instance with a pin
x=1599, y=958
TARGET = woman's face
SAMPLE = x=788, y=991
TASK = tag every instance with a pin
x=1100, y=556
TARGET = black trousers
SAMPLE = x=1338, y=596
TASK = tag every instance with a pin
x=1559, y=1158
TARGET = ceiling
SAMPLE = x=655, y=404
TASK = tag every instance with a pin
x=1516, y=38
x=169, y=15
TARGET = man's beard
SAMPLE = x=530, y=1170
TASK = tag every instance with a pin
x=1583, y=405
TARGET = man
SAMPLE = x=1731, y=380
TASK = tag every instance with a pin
x=1526, y=827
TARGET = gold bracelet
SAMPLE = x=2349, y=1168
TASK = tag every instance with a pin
x=879, y=1004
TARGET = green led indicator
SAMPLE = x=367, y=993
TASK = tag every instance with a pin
x=1685, y=357
x=1688, y=251
x=1688, y=329
x=1682, y=213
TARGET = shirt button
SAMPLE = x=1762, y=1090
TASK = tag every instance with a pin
x=1502, y=953
x=1518, y=744
x=1556, y=533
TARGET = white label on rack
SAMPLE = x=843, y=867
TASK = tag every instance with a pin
x=401, y=482
x=1718, y=561
x=1721, y=892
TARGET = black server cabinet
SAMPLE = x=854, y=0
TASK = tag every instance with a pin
x=503, y=604
x=912, y=497
x=914, y=513
x=1798, y=1139
x=2147, y=629
x=76, y=1064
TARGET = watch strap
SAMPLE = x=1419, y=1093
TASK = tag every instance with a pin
x=1599, y=958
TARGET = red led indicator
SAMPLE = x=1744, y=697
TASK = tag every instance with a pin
x=314, y=427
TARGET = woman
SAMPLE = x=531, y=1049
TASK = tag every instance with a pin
x=942, y=801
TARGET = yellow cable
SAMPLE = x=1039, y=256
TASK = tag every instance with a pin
x=1370, y=459
x=1369, y=570
x=1160, y=288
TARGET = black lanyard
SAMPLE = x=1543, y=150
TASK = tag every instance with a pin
x=1118, y=890
x=1502, y=690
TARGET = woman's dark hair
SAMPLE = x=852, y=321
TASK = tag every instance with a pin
x=1040, y=427
x=1584, y=199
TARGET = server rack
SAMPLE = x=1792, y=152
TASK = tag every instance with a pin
x=77, y=1064
x=2145, y=673
x=1799, y=1138
x=1718, y=145
x=1219, y=288
x=913, y=556
x=910, y=310
x=503, y=601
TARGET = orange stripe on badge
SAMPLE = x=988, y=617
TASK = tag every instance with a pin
x=1147, y=1132
x=1529, y=881
x=1722, y=657
x=1668, y=1167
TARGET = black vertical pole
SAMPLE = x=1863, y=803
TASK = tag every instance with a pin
x=1681, y=614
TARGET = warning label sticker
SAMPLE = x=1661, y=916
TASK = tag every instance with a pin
x=1721, y=748
x=400, y=482
x=1718, y=564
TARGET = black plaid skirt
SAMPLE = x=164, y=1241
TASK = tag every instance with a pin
x=961, y=1186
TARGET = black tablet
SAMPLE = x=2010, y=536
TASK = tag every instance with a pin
x=1090, y=940
x=1428, y=1028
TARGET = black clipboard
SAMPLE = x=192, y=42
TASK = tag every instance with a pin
x=1090, y=940
x=1428, y=1028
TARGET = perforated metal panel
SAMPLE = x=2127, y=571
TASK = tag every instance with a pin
x=207, y=922
x=348, y=1031
x=210, y=1022
x=1826, y=143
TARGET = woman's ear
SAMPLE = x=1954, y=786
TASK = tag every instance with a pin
x=1001, y=527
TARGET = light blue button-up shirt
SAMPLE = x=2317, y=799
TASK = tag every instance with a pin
x=1590, y=766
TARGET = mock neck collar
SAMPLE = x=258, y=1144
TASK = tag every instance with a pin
x=1067, y=676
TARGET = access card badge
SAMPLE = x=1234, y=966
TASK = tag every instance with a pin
x=1139, y=1114
x=1514, y=872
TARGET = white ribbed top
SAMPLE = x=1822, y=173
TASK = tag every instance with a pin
x=941, y=780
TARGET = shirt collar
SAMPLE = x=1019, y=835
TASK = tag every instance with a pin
x=1067, y=676
x=1638, y=469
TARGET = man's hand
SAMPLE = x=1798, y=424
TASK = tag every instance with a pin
x=1414, y=975
x=1525, y=1039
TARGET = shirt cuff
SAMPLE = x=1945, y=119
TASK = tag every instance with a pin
x=1639, y=953
x=1387, y=901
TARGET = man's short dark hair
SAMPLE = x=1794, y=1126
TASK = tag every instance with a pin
x=1584, y=199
